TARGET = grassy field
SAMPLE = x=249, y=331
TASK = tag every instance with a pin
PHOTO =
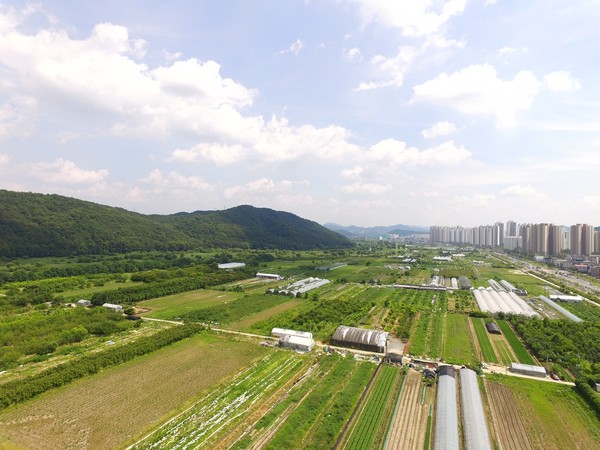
x=487, y=350
x=503, y=350
x=554, y=415
x=458, y=345
x=179, y=305
x=246, y=323
x=106, y=409
x=520, y=351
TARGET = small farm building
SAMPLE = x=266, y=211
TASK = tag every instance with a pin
x=113, y=307
x=567, y=298
x=360, y=338
x=84, y=302
x=528, y=369
x=493, y=328
x=446, y=415
x=299, y=343
x=597, y=387
x=269, y=276
x=279, y=332
x=394, y=351
x=232, y=265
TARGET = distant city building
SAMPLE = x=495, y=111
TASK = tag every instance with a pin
x=543, y=239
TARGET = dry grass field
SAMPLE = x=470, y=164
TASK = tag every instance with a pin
x=107, y=409
x=245, y=323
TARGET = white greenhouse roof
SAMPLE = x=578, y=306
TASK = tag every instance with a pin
x=519, y=367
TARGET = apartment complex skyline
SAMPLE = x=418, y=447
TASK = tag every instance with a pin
x=544, y=239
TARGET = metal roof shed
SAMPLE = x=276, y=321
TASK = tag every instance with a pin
x=299, y=343
x=528, y=369
x=476, y=432
x=360, y=338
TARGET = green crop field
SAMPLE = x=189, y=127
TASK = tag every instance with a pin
x=458, y=348
x=503, y=350
x=554, y=415
x=178, y=305
x=104, y=410
x=370, y=428
x=520, y=351
x=487, y=350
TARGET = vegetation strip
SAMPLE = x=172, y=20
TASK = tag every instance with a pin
x=520, y=351
x=487, y=351
x=23, y=389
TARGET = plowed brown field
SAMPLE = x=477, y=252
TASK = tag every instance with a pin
x=507, y=421
x=409, y=426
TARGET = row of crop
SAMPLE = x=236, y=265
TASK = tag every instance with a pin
x=518, y=348
x=23, y=389
x=327, y=428
x=224, y=405
x=297, y=425
x=487, y=350
x=365, y=431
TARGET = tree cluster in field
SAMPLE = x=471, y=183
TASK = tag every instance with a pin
x=128, y=295
x=43, y=332
x=582, y=386
x=53, y=225
x=573, y=345
x=23, y=389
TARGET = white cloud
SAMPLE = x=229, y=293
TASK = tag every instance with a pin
x=294, y=48
x=396, y=153
x=352, y=173
x=17, y=116
x=561, y=81
x=366, y=188
x=175, y=181
x=67, y=172
x=475, y=200
x=262, y=186
x=478, y=90
x=439, y=129
x=353, y=55
x=392, y=70
x=518, y=190
x=413, y=18
x=4, y=159
x=216, y=153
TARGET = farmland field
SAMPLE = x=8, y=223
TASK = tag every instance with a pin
x=458, y=346
x=554, y=416
x=520, y=351
x=224, y=407
x=408, y=428
x=178, y=305
x=104, y=410
x=370, y=428
x=503, y=350
x=487, y=350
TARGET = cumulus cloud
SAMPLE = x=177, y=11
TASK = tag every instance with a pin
x=16, y=116
x=67, y=172
x=518, y=190
x=561, y=81
x=175, y=181
x=216, y=153
x=262, y=186
x=396, y=153
x=4, y=159
x=413, y=18
x=294, y=48
x=366, y=188
x=352, y=173
x=478, y=90
x=439, y=129
x=391, y=70
x=353, y=55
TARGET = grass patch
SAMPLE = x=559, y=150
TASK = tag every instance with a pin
x=179, y=305
x=554, y=415
x=487, y=350
x=104, y=410
x=518, y=348
x=458, y=346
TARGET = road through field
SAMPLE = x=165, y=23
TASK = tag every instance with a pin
x=410, y=422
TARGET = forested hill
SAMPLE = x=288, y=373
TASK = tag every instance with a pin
x=40, y=225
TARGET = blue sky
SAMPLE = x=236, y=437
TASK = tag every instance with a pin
x=363, y=112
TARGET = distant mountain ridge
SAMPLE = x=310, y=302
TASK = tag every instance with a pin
x=374, y=232
x=48, y=224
